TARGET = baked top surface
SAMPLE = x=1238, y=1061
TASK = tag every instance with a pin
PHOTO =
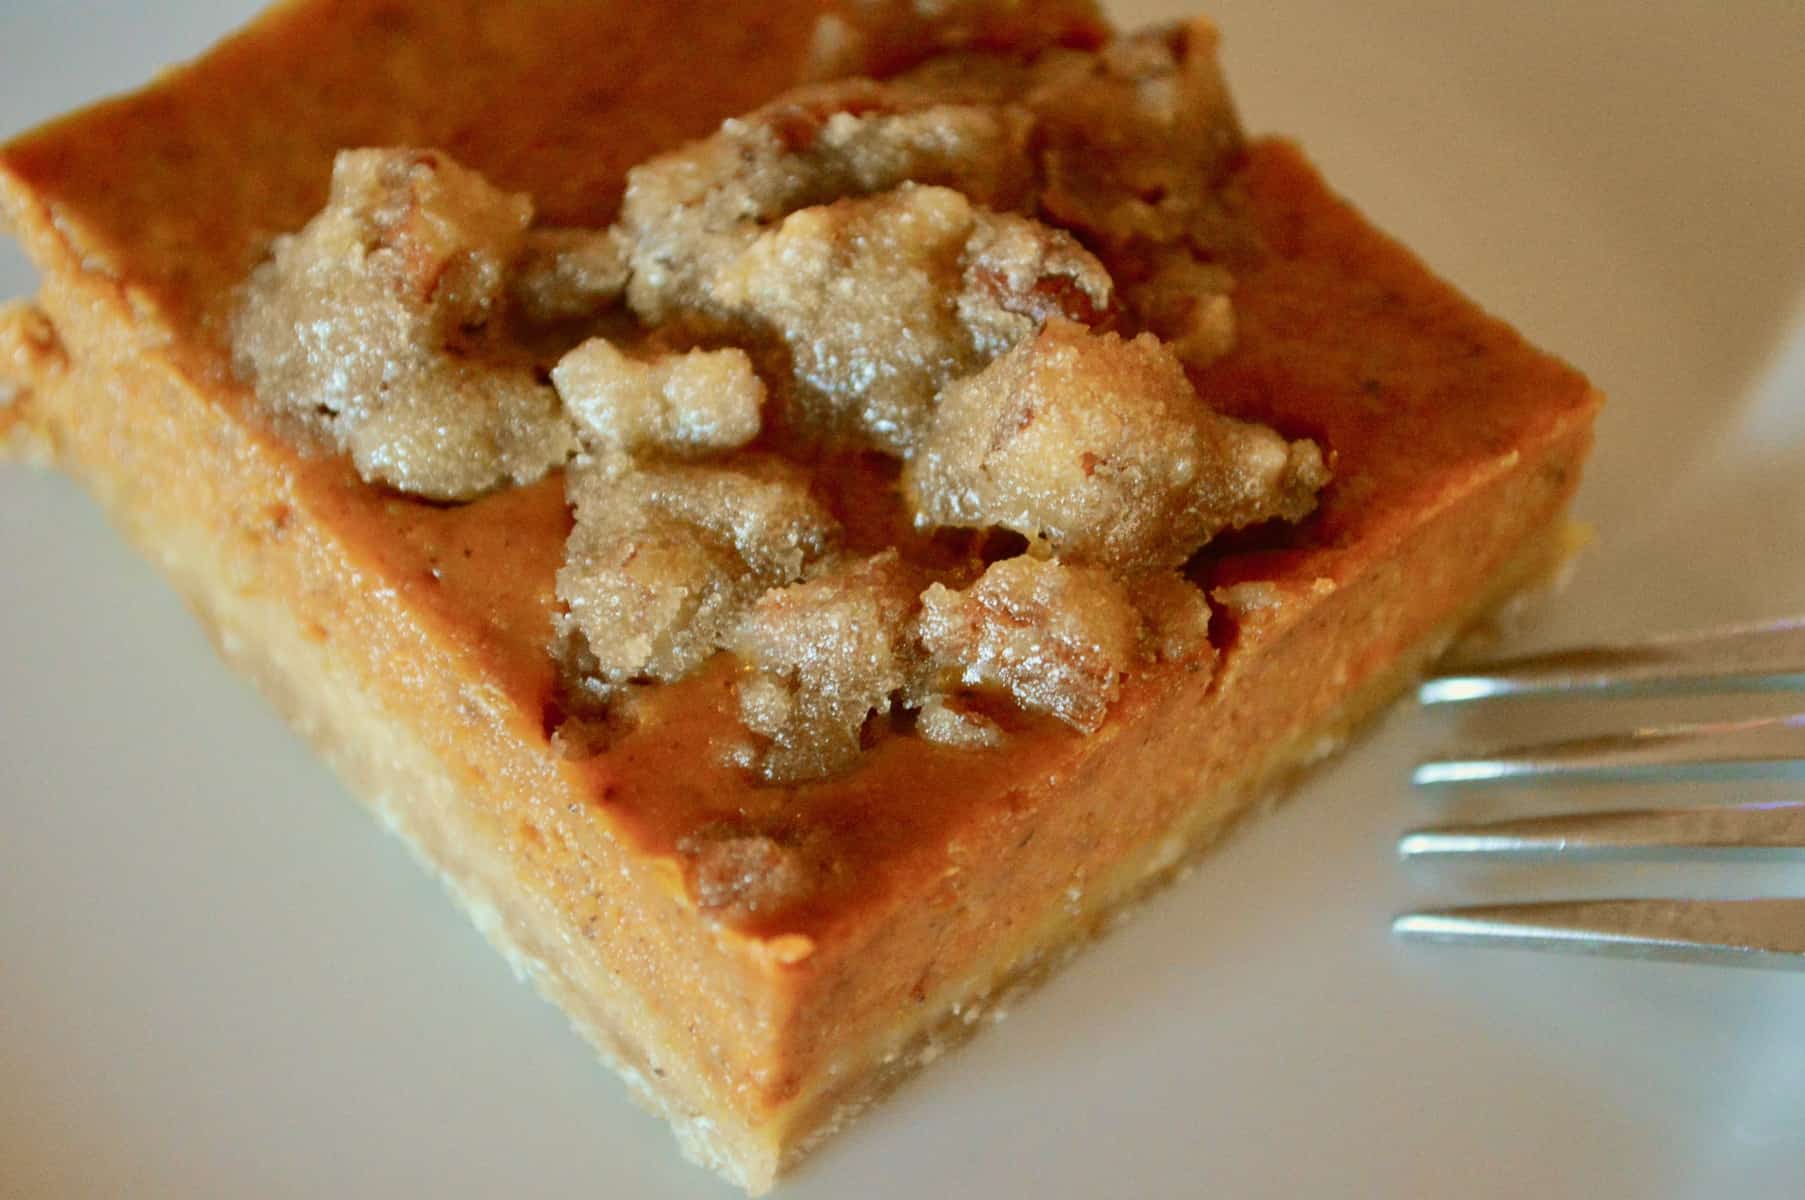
x=1344, y=338
x=1498, y=230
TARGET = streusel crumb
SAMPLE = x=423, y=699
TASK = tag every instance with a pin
x=737, y=874
x=943, y=721
x=1056, y=637
x=825, y=656
x=879, y=302
x=666, y=558
x=688, y=214
x=570, y=274
x=1101, y=447
x=375, y=328
x=683, y=404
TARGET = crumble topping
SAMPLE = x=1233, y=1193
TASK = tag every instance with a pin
x=570, y=274
x=690, y=213
x=825, y=656
x=1057, y=637
x=738, y=874
x=942, y=719
x=1185, y=302
x=1177, y=619
x=375, y=327
x=993, y=267
x=1133, y=143
x=880, y=302
x=682, y=404
x=1101, y=448
x=665, y=558
x=1137, y=138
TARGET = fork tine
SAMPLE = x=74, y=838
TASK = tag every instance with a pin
x=1767, y=655
x=1708, y=750
x=1741, y=831
x=1748, y=933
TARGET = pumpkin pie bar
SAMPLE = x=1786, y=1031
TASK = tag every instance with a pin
x=798, y=516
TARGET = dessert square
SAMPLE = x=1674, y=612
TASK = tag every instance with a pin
x=763, y=907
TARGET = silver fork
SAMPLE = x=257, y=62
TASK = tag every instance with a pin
x=1754, y=932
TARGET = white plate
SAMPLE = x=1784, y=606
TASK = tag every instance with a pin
x=219, y=978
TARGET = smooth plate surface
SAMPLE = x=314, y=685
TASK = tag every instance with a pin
x=218, y=977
